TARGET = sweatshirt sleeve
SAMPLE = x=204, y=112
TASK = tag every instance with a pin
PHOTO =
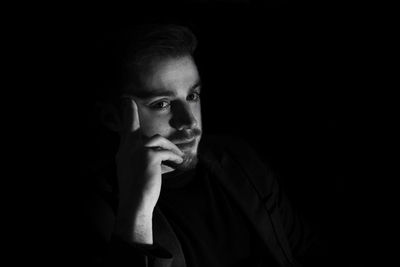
x=121, y=253
x=106, y=249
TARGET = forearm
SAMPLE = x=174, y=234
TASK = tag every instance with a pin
x=137, y=229
x=131, y=241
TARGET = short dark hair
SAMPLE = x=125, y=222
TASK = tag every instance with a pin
x=123, y=54
x=153, y=42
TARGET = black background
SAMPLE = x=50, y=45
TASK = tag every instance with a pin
x=306, y=85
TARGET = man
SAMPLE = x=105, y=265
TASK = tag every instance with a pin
x=181, y=199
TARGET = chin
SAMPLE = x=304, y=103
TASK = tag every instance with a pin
x=190, y=161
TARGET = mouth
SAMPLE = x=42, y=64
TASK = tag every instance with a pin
x=186, y=144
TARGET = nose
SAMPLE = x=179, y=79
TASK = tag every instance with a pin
x=183, y=117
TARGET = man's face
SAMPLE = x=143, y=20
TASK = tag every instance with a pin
x=169, y=104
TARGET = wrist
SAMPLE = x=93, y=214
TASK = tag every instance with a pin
x=137, y=228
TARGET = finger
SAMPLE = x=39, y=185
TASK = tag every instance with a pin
x=131, y=114
x=167, y=155
x=135, y=116
x=163, y=143
x=131, y=122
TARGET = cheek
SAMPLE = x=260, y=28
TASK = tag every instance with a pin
x=153, y=124
x=198, y=116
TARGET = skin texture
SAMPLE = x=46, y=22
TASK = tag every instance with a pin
x=176, y=117
x=160, y=131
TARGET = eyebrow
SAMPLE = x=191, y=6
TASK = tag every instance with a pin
x=148, y=94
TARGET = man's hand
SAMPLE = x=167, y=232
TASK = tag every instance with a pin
x=139, y=172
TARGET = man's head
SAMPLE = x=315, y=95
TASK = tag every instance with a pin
x=162, y=77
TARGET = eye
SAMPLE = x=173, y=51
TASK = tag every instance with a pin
x=194, y=97
x=160, y=105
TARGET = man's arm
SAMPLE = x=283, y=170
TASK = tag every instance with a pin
x=138, y=170
x=139, y=176
x=105, y=248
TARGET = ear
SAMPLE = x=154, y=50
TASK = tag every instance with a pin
x=109, y=116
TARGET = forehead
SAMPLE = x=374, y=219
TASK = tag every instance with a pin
x=171, y=74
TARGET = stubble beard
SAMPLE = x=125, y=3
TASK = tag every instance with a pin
x=190, y=160
x=190, y=157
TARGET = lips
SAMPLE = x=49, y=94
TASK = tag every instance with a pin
x=185, y=136
x=186, y=144
x=184, y=141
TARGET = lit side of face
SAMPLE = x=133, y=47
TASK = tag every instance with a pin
x=169, y=104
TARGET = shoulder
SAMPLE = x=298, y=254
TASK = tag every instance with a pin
x=238, y=158
x=232, y=151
